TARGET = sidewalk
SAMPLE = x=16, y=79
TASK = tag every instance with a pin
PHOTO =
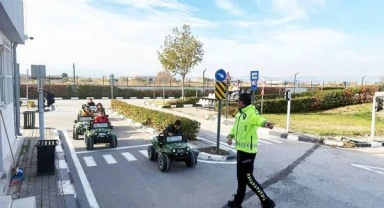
x=45, y=188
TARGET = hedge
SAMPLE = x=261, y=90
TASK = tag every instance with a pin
x=187, y=100
x=96, y=91
x=156, y=119
x=319, y=100
x=322, y=100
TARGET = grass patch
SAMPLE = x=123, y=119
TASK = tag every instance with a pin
x=354, y=120
x=160, y=102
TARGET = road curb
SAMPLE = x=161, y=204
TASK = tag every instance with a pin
x=65, y=183
x=206, y=156
x=169, y=106
x=328, y=142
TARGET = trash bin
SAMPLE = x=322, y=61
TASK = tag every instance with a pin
x=46, y=157
x=29, y=119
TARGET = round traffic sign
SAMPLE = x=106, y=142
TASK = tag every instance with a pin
x=220, y=75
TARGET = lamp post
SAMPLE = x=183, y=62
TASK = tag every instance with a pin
x=203, y=81
x=362, y=80
x=294, y=83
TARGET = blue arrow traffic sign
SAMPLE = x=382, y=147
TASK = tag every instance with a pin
x=254, y=84
x=254, y=75
x=220, y=75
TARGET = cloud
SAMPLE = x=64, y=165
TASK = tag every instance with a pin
x=230, y=7
x=288, y=9
x=154, y=4
x=97, y=39
x=102, y=41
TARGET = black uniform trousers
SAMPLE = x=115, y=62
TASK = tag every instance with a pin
x=245, y=177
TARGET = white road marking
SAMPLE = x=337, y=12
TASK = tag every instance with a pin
x=217, y=162
x=83, y=178
x=222, y=143
x=144, y=152
x=273, y=140
x=370, y=168
x=112, y=149
x=262, y=141
x=128, y=156
x=109, y=159
x=89, y=161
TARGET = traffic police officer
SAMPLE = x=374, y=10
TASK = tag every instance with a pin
x=244, y=132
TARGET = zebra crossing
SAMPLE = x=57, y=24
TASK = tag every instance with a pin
x=135, y=155
x=268, y=141
x=109, y=159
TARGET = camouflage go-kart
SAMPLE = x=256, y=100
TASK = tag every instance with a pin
x=80, y=126
x=171, y=149
x=100, y=133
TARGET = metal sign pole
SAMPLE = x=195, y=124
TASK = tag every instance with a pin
x=218, y=127
x=112, y=80
x=262, y=101
x=220, y=76
x=262, y=95
x=226, y=99
x=373, y=120
x=253, y=97
x=41, y=108
x=163, y=80
x=288, y=97
x=27, y=89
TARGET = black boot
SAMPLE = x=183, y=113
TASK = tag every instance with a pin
x=269, y=203
x=235, y=203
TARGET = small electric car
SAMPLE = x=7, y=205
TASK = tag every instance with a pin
x=100, y=133
x=80, y=126
x=169, y=149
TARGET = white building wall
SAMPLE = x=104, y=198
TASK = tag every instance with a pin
x=6, y=96
x=15, y=11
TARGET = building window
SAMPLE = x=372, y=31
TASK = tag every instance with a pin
x=6, y=79
x=2, y=78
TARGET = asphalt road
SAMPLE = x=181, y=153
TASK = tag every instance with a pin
x=295, y=174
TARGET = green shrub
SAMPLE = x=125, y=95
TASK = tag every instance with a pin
x=188, y=100
x=97, y=91
x=321, y=100
x=156, y=119
x=31, y=104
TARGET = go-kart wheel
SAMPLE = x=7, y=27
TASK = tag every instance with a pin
x=191, y=161
x=89, y=143
x=164, y=162
x=152, y=154
x=76, y=135
x=113, y=142
x=73, y=133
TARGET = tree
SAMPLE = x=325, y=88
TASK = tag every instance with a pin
x=381, y=79
x=163, y=76
x=180, y=53
x=64, y=75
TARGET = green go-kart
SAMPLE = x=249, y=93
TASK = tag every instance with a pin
x=100, y=133
x=169, y=149
x=80, y=126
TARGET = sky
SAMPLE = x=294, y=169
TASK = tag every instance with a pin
x=318, y=38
